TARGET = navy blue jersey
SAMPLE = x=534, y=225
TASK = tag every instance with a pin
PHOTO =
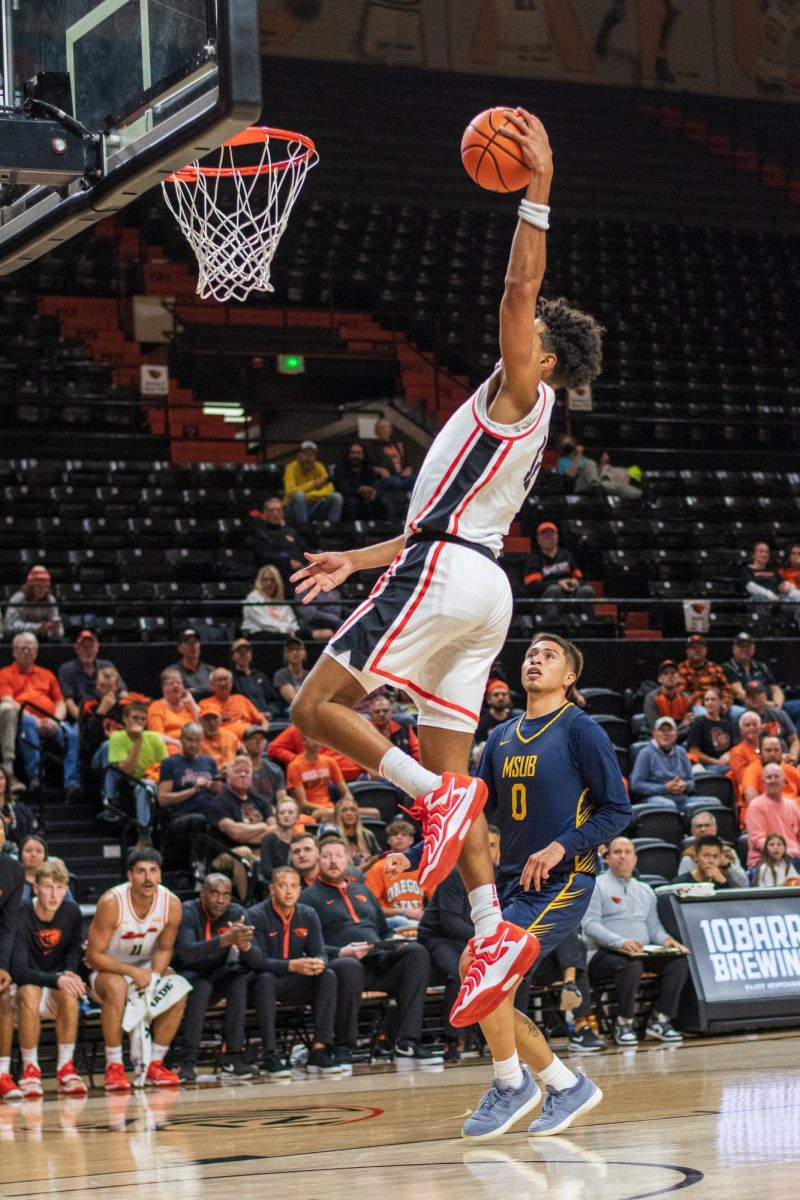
x=552, y=779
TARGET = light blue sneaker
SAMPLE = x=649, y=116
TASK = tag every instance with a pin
x=500, y=1107
x=561, y=1108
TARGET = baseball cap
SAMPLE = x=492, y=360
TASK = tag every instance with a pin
x=84, y=634
x=662, y=721
x=754, y=686
x=251, y=729
x=38, y=574
x=241, y=642
x=696, y=639
x=189, y=633
x=210, y=704
x=308, y=445
x=668, y=664
x=294, y=641
x=545, y=525
x=743, y=637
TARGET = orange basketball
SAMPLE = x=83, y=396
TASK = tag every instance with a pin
x=490, y=157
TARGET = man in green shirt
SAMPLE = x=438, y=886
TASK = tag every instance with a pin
x=307, y=489
x=131, y=751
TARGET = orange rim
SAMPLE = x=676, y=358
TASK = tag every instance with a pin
x=250, y=137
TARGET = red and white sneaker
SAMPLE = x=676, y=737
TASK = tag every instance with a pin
x=160, y=1076
x=69, y=1081
x=447, y=815
x=116, y=1080
x=8, y=1089
x=31, y=1082
x=498, y=964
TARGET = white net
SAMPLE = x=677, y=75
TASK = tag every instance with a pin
x=234, y=212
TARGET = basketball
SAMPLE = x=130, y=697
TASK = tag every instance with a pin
x=490, y=157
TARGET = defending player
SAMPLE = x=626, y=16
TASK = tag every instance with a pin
x=555, y=793
x=131, y=939
x=438, y=617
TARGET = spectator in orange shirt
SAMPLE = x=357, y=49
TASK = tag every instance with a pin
x=402, y=900
x=745, y=752
x=696, y=672
x=771, y=751
x=289, y=743
x=667, y=700
x=771, y=812
x=237, y=712
x=24, y=683
x=773, y=720
x=381, y=715
x=176, y=708
x=309, y=777
x=222, y=744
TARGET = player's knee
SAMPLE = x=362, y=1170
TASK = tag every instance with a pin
x=301, y=711
x=28, y=998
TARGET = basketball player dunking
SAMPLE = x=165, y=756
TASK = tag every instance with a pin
x=439, y=615
x=131, y=939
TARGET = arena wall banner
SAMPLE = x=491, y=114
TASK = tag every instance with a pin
x=744, y=48
x=745, y=957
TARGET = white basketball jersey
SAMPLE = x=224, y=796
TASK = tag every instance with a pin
x=477, y=473
x=134, y=938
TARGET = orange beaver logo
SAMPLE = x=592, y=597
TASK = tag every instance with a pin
x=48, y=939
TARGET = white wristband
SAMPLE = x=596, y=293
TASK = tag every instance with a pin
x=534, y=214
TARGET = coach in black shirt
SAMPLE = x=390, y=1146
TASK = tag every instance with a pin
x=252, y=683
x=354, y=929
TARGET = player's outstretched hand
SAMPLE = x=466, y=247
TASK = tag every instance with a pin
x=323, y=573
x=531, y=135
x=538, y=867
x=394, y=865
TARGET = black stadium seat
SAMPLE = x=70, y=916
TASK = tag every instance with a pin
x=656, y=857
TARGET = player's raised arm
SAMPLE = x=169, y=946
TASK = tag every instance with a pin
x=520, y=344
x=327, y=571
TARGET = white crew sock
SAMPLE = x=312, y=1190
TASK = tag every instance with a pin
x=509, y=1071
x=485, y=909
x=159, y=1052
x=5, y=1066
x=113, y=1054
x=401, y=769
x=66, y=1053
x=29, y=1056
x=557, y=1075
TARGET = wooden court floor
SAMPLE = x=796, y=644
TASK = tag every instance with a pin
x=714, y=1118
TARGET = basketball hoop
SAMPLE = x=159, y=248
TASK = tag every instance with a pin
x=229, y=221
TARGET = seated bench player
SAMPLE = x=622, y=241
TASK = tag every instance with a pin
x=45, y=964
x=131, y=941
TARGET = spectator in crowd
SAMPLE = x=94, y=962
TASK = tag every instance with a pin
x=77, y=677
x=268, y=778
x=667, y=700
x=237, y=712
x=16, y=817
x=770, y=750
x=23, y=682
x=704, y=824
x=308, y=492
x=32, y=853
x=276, y=542
x=220, y=744
x=134, y=753
x=395, y=476
x=241, y=818
x=265, y=613
x=289, y=744
x=403, y=900
x=498, y=709
x=252, y=683
x=287, y=679
x=176, y=708
x=195, y=673
x=620, y=921
x=311, y=776
x=355, y=481
x=551, y=573
x=697, y=672
x=362, y=845
x=304, y=857
x=761, y=580
x=581, y=474
x=790, y=571
x=743, y=668
x=131, y=940
x=775, y=868
x=187, y=780
x=773, y=720
x=771, y=812
x=45, y=966
x=662, y=769
x=276, y=846
x=709, y=866
x=381, y=715
x=213, y=951
x=33, y=608
x=100, y=715
x=352, y=927
x=711, y=735
x=12, y=879
x=294, y=970
x=746, y=749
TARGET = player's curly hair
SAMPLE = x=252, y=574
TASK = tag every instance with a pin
x=576, y=340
